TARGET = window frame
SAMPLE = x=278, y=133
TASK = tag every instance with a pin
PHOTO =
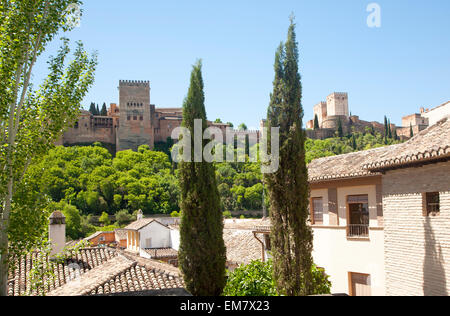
x=426, y=201
x=313, y=217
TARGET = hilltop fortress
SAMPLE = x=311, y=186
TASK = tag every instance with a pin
x=333, y=110
x=132, y=123
x=336, y=109
x=135, y=121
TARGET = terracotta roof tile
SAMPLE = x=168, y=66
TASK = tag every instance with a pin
x=96, y=271
x=242, y=246
x=343, y=166
x=162, y=253
x=429, y=145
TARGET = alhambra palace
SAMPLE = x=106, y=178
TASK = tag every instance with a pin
x=135, y=121
x=132, y=123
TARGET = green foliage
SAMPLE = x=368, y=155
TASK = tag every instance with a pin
x=242, y=127
x=123, y=217
x=202, y=253
x=256, y=279
x=227, y=214
x=104, y=219
x=175, y=214
x=340, y=131
x=316, y=122
x=356, y=141
x=33, y=120
x=104, y=110
x=93, y=181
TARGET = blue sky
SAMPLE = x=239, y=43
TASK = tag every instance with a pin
x=392, y=70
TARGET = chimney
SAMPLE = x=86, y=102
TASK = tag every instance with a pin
x=57, y=232
x=140, y=215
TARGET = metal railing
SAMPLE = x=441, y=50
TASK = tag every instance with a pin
x=358, y=230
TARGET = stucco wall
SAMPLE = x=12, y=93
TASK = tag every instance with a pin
x=159, y=234
x=417, y=247
x=340, y=255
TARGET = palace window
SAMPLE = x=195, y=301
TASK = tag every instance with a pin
x=358, y=216
x=317, y=211
x=431, y=204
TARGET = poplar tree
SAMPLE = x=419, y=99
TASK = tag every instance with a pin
x=288, y=189
x=33, y=117
x=202, y=253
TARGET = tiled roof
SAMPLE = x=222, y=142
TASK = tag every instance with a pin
x=85, y=260
x=429, y=145
x=162, y=253
x=242, y=246
x=343, y=166
x=141, y=223
x=97, y=271
x=121, y=234
x=96, y=235
x=245, y=224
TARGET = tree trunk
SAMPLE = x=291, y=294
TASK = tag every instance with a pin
x=3, y=261
x=4, y=223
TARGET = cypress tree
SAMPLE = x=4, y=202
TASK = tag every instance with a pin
x=202, y=253
x=104, y=111
x=340, y=130
x=92, y=108
x=288, y=188
x=97, y=111
x=389, y=129
x=354, y=142
x=395, y=134
x=316, y=122
x=411, y=131
x=385, y=127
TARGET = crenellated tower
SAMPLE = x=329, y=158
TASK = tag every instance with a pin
x=136, y=115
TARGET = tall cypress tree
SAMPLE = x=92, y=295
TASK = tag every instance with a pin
x=411, y=131
x=97, y=111
x=339, y=129
x=288, y=188
x=202, y=253
x=92, y=108
x=316, y=122
x=104, y=111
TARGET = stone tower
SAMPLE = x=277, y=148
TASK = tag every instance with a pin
x=337, y=104
x=136, y=115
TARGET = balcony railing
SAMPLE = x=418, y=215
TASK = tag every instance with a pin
x=358, y=231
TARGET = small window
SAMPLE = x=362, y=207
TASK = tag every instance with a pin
x=128, y=118
x=141, y=118
x=134, y=118
x=317, y=211
x=431, y=204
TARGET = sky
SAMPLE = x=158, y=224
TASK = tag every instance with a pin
x=391, y=70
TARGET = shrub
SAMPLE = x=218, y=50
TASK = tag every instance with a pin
x=256, y=279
